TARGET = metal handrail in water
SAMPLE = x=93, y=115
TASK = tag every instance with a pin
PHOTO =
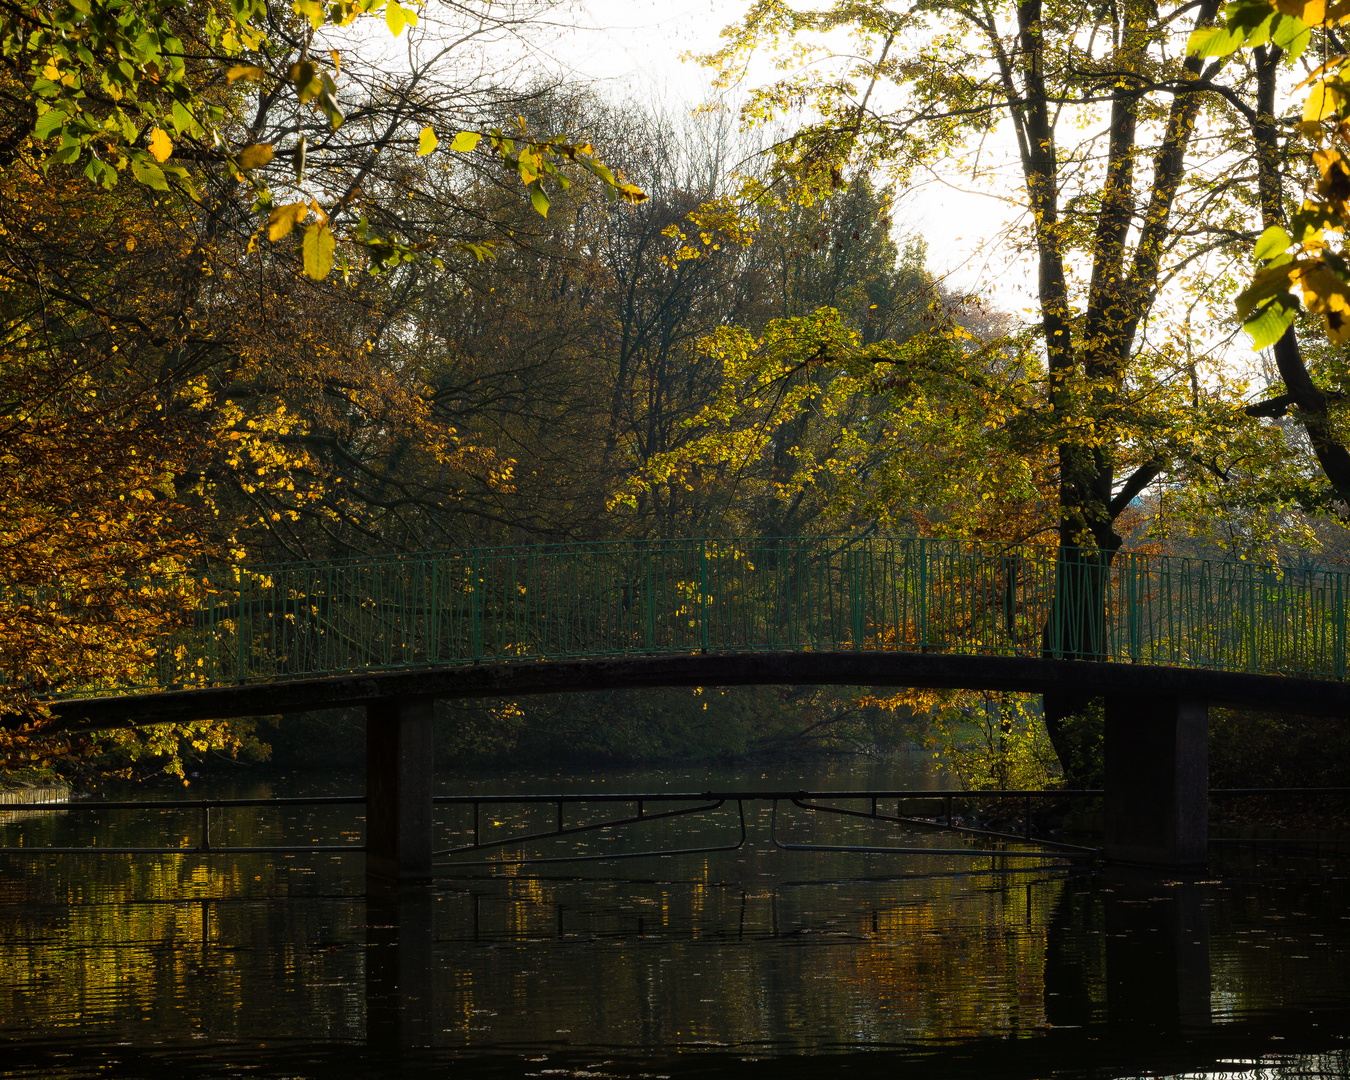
x=204, y=847
x=704, y=802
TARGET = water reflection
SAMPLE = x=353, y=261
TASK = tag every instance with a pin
x=177, y=966
x=1133, y=952
x=400, y=968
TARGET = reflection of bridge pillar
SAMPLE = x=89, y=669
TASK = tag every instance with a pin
x=1075, y=985
x=399, y=972
x=1127, y=951
x=1157, y=780
x=399, y=771
x=1157, y=954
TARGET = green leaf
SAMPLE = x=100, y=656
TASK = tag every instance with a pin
x=49, y=122
x=127, y=128
x=318, y=250
x=465, y=141
x=328, y=103
x=68, y=152
x=183, y=121
x=147, y=172
x=539, y=198
x=1290, y=34
x=311, y=9
x=1269, y=322
x=1274, y=241
x=1213, y=41
x=305, y=76
x=1250, y=17
x=100, y=172
x=1270, y=281
x=600, y=170
x=427, y=142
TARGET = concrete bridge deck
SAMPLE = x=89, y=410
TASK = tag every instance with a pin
x=524, y=678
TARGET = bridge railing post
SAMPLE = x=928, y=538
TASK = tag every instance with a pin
x=857, y=593
x=476, y=612
x=703, y=594
x=1055, y=635
x=1340, y=625
x=924, y=639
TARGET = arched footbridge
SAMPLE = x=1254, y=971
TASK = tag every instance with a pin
x=1159, y=637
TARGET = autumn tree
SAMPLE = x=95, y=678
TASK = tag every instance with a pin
x=583, y=350
x=1123, y=155
x=1301, y=284
x=175, y=389
x=101, y=512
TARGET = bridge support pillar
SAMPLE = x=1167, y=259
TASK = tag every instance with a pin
x=399, y=768
x=1157, y=780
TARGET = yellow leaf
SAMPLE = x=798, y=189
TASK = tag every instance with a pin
x=1322, y=102
x=1312, y=12
x=427, y=142
x=247, y=72
x=465, y=141
x=285, y=218
x=394, y=17
x=160, y=144
x=255, y=156
x=318, y=249
x=1327, y=295
x=313, y=10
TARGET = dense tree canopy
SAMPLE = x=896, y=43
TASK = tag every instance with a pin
x=275, y=287
x=1147, y=164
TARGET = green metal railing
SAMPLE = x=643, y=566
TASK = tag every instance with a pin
x=681, y=596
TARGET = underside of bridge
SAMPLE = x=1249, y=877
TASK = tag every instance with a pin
x=1156, y=804
x=1156, y=724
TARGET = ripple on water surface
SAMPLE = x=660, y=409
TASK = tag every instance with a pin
x=757, y=960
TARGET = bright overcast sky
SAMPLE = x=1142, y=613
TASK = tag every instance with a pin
x=634, y=48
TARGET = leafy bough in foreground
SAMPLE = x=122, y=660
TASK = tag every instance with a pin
x=146, y=89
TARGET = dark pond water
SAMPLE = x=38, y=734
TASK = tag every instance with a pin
x=751, y=962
